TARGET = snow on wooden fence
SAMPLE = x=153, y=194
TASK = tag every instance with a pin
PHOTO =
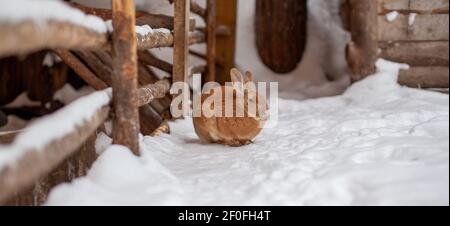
x=104, y=54
x=407, y=31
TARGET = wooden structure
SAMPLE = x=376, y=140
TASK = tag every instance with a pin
x=119, y=59
x=418, y=36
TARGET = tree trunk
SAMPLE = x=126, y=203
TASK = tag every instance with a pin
x=281, y=33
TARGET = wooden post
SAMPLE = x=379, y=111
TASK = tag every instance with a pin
x=181, y=37
x=211, y=41
x=226, y=44
x=362, y=51
x=125, y=77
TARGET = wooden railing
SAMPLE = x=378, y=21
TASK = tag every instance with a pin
x=117, y=59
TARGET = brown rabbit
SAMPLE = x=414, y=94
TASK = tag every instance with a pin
x=233, y=131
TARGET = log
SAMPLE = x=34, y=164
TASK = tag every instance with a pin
x=416, y=53
x=151, y=60
x=95, y=64
x=433, y=27
x=181, y=34
x=85, y=73
x=425, y=77
x=159, y=38
x=36, y=163
x=142, y=18
x=161, y=21
x=151, y=92
x=226, y=44
x=197, y=9
x=26, y=37
x=361, y=52
x=414, y=6
x=125, y=76
x=211, y=41
x=16, y=38
x=73, y=167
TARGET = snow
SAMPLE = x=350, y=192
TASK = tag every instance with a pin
x=45, y=10
x=392, y=16
x=412, y=19
x=144, y=30
x=46, y=129
x=377, y=144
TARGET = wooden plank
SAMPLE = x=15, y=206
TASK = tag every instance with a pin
x=36, y=163
x=181, y=34
x=125, y=77
x=425, y=28
x=361, y=52
x=226, y=45
x=425, y=77
x=211, y=41
x=417, y=53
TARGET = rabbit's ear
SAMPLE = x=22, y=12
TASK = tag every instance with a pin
x=248, y=77
x=237, y=79
x=236, y=75
x=248, y=81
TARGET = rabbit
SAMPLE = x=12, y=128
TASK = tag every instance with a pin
x=233, y=131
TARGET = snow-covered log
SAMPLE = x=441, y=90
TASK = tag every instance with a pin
x=48, y=141
x=142, y=18
x=28, y=36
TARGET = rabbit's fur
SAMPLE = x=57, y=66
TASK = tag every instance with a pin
x=233, y=131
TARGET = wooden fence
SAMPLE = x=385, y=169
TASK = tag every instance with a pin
x=117, y=59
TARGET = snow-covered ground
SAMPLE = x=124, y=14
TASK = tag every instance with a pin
x=377, y=144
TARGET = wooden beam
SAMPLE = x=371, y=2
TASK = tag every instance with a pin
x=16, y=40
x=181, y=45
x=142, y=18
x=416, y=53
x=226, y=45
x=103, y=71
x=37, y=163
x=197, y=9
x=361, y=52
x=26, y=37
x=151, y=60
x=125, y=78
x=84, y=72
x=430, y=27
x=211, y=41
x=425, y=77
x=75, y=166
x=151, y=92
